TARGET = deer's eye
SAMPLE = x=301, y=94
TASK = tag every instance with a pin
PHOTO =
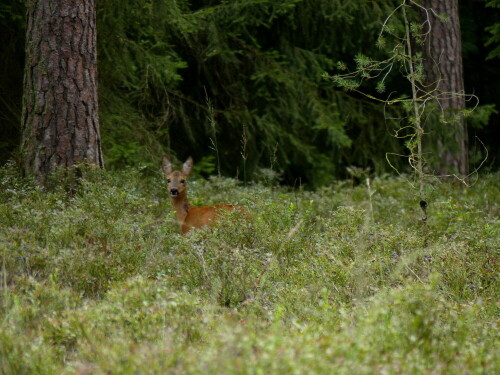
x=168, y=180
x=183, y=181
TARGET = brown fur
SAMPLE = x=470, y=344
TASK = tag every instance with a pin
x=187, y=216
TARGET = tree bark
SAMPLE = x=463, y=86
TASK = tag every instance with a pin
x=60, y=121
x=442, y=56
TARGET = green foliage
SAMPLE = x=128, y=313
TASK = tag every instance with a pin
x=259, y=64
x=402, y=40
x=478, y=118
x=95, y=278
x=494, y=30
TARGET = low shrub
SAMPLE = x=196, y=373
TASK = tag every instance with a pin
x=97, y=279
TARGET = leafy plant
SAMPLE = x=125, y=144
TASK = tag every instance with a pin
x=400, y=34
x=97, y=278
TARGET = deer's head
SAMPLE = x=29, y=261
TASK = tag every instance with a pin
x=176, y=180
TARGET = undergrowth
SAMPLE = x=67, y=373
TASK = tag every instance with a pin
x=96, y=278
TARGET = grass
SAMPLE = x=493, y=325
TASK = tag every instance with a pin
x=96, y=279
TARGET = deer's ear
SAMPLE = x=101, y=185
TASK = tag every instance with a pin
x=166, y=165
x=187, y=166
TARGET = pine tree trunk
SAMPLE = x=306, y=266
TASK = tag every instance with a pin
x=443, y=68
x=60, y=121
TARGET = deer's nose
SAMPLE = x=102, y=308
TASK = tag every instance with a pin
x=174, y=192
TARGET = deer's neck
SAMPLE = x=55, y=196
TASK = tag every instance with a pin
x=181, y=206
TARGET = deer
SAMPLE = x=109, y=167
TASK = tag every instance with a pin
x=189, y=217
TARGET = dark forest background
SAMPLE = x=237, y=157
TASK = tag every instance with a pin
x=240, y=86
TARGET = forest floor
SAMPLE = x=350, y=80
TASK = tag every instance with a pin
x=96, y=279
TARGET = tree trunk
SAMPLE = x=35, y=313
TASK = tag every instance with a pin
x=60, y=121
x=442, y=56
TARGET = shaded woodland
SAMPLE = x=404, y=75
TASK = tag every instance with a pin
x=240, y=86
x=344, y=268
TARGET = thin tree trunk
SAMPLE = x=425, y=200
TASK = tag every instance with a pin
x=60, y=114
x=443, y=68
